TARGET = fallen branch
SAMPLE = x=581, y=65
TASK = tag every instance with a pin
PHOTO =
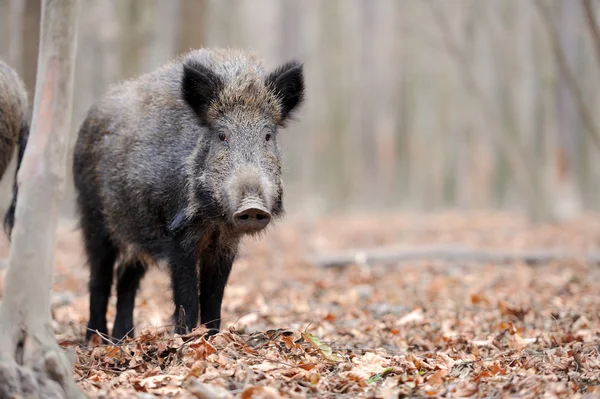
x=450, y=253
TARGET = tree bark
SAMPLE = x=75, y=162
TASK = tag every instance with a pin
x=31, y=362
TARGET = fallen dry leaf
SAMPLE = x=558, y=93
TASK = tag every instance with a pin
x=515, y=342
x=444, y=329
x=413, y=317
x=437, y=378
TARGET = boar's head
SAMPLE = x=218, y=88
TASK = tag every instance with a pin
x=240, y=108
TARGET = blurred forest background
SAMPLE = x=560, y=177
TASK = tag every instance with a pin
x=411, y=104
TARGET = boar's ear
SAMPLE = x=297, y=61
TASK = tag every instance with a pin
x=200, y=86
x=287, y=81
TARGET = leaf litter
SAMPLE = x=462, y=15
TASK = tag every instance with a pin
x=420, y=329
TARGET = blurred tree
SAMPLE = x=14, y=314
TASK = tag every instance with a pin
x=161, y=45
x=31, y=362
x=572, y=113
x=16, y=10
x=192, y=26
x=569, y=123
x=590, y=16
x=415, y=104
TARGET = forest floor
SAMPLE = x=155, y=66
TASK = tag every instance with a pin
x=416, y=329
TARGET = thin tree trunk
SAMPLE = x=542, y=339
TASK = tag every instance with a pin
x=515, y=156
x=3, y=30
x=192, y=25
x=386, y=106
x=567, y=74
x=368, y=177
x=136, y=20
x=590, y=18
x=98, y=66
x=15, y=47
x=31, y=362
x=163, y=38
x=571, y=110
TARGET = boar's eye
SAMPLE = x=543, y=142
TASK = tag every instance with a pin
x=223, y=137
x=268, y=136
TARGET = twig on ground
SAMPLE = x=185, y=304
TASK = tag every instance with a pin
x=451, y=253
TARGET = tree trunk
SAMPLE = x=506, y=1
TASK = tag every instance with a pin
x=164, y=35
x=568, y=201
x=31, y=362
x=192, y=25
x=15, y=47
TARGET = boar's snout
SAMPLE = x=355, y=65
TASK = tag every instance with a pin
x=251, y=216
x=249, y=195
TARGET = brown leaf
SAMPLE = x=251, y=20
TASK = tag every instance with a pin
x=314, y=378
x=508, y=310
x=437, y=378
x=202, y=349
x=111, y=351
x=444, y=361
x=516, y=343
x=414, y=360
x=260, y=392
x=289, y=344
x=497, y=369
x=478, y=298
x=197, y=369
x=307, y=366
x=466, y=390
x=158, y=381
x=329, y=317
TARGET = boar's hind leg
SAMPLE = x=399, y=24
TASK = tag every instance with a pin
x=184, y=281
x=214, y=272
x=102, y=255
x=129, y=276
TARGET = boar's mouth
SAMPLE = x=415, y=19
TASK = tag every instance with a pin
x=251, y=216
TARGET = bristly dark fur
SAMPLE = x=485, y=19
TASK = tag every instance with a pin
x=200, y=87
x=288, y=83
x=9, y=217
x=161, y=165
x=14, y=129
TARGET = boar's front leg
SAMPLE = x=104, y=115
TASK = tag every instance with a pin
x=184, y=281
x=215, y=267
x=102, y=255
x=129, y=276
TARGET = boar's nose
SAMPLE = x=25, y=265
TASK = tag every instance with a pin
x=251, y=217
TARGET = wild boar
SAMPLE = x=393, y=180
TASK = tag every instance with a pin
x=14, y=129
x=176, y=167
